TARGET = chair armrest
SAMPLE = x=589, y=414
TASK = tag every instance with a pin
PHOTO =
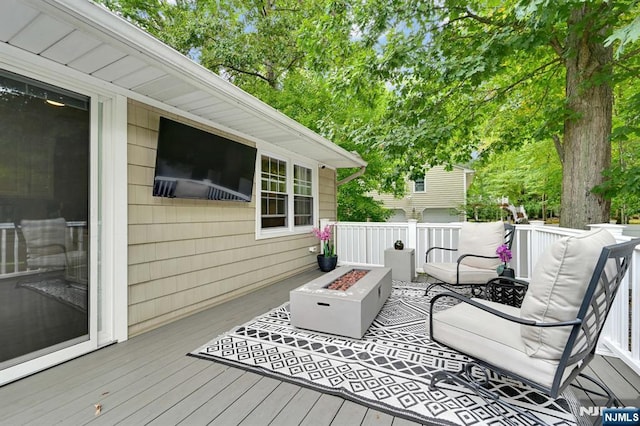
x=63, y=247
x=461, y=258
x=475, y=303
x=438, y=248
x=475, y=255
x=493, y=311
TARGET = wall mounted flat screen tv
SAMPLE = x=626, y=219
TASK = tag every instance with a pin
x=192, y=163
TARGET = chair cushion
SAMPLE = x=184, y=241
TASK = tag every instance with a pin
x=446, y=272
x=556, y=290
x=46, y=242
x=482, y=239
x=489, y=338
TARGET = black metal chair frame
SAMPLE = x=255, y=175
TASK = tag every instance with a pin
x=601, y=291
x=509, y=234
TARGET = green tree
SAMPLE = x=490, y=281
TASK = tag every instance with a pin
x=454, y=64
x=260, y=45
x=530, y=176
x=426, y=82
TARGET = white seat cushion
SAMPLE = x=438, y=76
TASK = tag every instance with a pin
x=557, y=288
x=490, y=338
x=482, y=239
x=446, y=272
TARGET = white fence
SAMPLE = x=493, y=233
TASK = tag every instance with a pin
x=364, y=243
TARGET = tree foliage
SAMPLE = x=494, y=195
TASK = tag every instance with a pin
x=413, y=82
x=530, y=176
x=488, y=76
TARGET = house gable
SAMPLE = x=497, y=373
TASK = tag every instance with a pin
x=444, y=191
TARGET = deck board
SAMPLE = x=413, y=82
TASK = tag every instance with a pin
x=323, y=411
x=172, y=401
x=127, y=409
x=244, y=404
x=150, y=380
x=350, y=413
x=376, y=418
x=211, y=399
x=294, y=412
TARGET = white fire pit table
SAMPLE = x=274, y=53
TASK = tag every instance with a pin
x=346, y=313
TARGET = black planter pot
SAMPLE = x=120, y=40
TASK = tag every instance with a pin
x=327, y=264
x=508, y=272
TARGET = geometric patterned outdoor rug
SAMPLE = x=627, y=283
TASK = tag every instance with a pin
x=389, y=369
x=72, y=294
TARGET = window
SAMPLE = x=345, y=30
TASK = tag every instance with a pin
x=287, y=192
x=419, y=185
x=303, y=196
x=274, y=193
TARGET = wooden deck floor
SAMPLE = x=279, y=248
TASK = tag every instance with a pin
x=149, y=380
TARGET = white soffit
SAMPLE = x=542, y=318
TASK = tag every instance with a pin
x=89, y=38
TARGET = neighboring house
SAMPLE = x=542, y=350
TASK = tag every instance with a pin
x=145, y=260
x=435, y=198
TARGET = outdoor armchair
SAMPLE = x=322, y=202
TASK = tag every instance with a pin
x=48, y=249
x=477, y=261
x=551, y=338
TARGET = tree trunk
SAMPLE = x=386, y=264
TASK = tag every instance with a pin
x=587, y=148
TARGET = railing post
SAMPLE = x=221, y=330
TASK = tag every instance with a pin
x=534, y=245
x=615, y=230
x=16, y=247
x=81, y=239
x=412, y=234
x=3, y=252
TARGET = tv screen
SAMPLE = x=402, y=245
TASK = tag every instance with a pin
x=192, y=163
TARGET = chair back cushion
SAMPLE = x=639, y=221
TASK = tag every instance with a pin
x=46, y=242
x=481, y=238
x=557, y=288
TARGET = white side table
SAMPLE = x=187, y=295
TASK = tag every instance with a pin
x=402, y=263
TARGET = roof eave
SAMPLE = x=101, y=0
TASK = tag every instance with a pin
x=111, y=27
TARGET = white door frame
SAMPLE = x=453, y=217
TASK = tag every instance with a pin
x=108, y=207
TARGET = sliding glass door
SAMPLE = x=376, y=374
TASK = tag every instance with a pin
x=44, y=219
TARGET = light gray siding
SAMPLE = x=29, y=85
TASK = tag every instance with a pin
x=444, y=191
x=188, y=255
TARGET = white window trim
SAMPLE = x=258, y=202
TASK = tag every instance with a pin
x=424, y=180
x=290, y=229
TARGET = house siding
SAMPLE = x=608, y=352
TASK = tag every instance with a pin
x=188, y=255
x=443, y=190
x=327, y=192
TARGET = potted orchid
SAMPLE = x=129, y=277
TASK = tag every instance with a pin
x=505, y=255
x=328, y=260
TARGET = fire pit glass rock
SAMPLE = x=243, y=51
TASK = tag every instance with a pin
x=345, y=281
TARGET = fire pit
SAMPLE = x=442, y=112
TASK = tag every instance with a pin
x=347, y=312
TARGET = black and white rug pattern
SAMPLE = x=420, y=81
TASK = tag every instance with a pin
x=389, y=369
x=71, y=294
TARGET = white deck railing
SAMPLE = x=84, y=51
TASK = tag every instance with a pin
x=364, y=243
x=13, y=248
